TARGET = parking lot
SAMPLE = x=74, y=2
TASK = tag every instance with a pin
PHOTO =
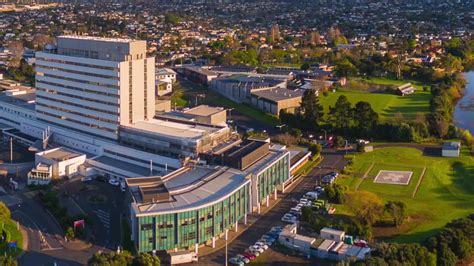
x=104, y=204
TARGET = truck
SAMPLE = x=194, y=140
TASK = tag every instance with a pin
x=182, y=257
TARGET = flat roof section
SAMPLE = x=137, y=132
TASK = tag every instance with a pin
x=22, y=101
x=204, y=110
x=141, y=171
x=193, y=188
x=278, y=94
x=60, y=154
x=173, y=129
x=93, y=38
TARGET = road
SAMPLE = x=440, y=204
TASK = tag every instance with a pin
x=332, y=161
x=39, y=225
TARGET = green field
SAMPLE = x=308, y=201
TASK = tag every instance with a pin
x=393, y=82
x=385, y=104
x=12, y=234
x=446, y=191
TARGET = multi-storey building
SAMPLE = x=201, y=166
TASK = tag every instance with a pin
x=94, y=85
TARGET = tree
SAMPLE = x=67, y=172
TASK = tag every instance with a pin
x=145, y=259
x=4, y=211
x=366, y=206
x=335, y=193
x=344, y=68
x=113, y=258
x=315, y=149
x=365, y=118
x=16, y=48
x=8, y=261
x=397, y=211
x=70, y=233
x=341, y=114
x=311, y=108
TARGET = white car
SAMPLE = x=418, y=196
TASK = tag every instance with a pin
x=304, y=200
x=257, y=248
x=288, y=218
x=114, y=182
x=262, y=245
x=266, y=241
x=242, y=258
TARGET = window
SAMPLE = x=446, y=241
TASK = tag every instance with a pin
x=146, y=227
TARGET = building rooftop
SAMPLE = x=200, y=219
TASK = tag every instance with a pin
x=94, y=38
x=59, y=154
x=278, y=94
x=204, y=110
x=25, y=100
x=452, y=145
x=174, y=129
x=129, y=167
x=188, y=188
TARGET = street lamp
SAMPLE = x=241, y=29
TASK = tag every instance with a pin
x=345, y=146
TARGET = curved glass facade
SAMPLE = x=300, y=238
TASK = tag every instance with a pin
x=185, y=229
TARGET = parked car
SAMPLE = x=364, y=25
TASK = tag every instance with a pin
x=335, y=174
x=236, y=261
x=114, y=182
x=288, y=218
x=257, y=248
x=271, y=236
x=262, y=245
x=311, y=195
x=362, y=141
x=266, y=242
x=249, y=255
x=276, y=229
x=319, y=189
x=304, y=200
x=253, y=252
x=242, y=258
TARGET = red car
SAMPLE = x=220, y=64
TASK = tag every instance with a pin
x=249, y=255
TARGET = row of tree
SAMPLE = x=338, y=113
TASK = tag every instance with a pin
x=454, y=243
x=123, y=258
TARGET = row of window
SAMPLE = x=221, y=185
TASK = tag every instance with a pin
x=50, y=91
x=74, y=63
x=77, y=72
x=39, y=81
x=79, y=114
x=76, y=105
x=78, y=80
x=167, y=231
x=76, y=122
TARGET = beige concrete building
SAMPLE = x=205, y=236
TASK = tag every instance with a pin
x=275, y=100
x=94, y=85
x=208, y=115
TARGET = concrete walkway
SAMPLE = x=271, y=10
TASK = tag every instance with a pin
x=364, y=176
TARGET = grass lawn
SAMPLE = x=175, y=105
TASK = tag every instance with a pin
x=446, y=191
x=13, y=234
x=393, y=82
x=385, y=104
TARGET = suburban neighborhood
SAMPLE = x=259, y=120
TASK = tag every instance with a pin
x=233, y=132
